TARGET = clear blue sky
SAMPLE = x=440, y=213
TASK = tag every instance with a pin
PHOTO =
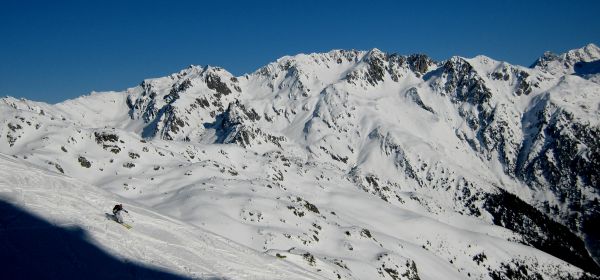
x=55, y=50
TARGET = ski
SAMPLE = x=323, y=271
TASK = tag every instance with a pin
x=112, y=218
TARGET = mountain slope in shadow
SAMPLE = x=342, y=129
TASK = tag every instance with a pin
x=32, y=248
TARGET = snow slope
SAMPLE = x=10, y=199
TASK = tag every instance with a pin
x=351, y=164
x=161, y=242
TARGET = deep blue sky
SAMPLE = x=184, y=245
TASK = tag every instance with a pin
x=55, y=50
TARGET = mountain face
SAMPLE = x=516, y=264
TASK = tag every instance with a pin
x=353, y=164
x=571, y=62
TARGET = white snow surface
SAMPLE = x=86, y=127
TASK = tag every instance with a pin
x=155, y=239
x=336, y=174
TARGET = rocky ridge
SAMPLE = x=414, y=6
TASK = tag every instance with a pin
x=494, y=143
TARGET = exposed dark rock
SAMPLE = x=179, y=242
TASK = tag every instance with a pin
x=413, y=94
x=567, y=165
x=311, y=207
x=102, y=137
x=376, y=69
x=411, y=273
x=464, y=84
x=545, y=59
x=181, y=87
x=214, y=82
x=14, y=127
x=538, y=230
x=84, y=162
x=523, y=86
x=515, y=270
x=309, y=258
x=202, y=102
x=59, y=168
x=235, y=126
x=419, y=63
x=479, y=258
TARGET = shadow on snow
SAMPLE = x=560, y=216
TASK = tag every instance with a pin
x=32, y=248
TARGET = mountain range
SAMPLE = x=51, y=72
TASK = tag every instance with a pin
x=348, y=164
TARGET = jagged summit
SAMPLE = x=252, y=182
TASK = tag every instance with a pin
x=565, y=63
x=352, y=164
x=588, y=53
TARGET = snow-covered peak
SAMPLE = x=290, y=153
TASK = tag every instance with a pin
x=455, y=159
x=24, y=104
x=375, y=53
x=315, y=65
x=588, y=53
x=364, y=68
x=312, y=60
x=564, y=64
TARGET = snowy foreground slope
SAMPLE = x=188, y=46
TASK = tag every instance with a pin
x=160, y=247
x=350, y=164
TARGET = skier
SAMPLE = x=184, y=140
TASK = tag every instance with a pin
x=117, y=211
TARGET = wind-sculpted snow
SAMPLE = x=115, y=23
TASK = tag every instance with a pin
x=352, y=164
